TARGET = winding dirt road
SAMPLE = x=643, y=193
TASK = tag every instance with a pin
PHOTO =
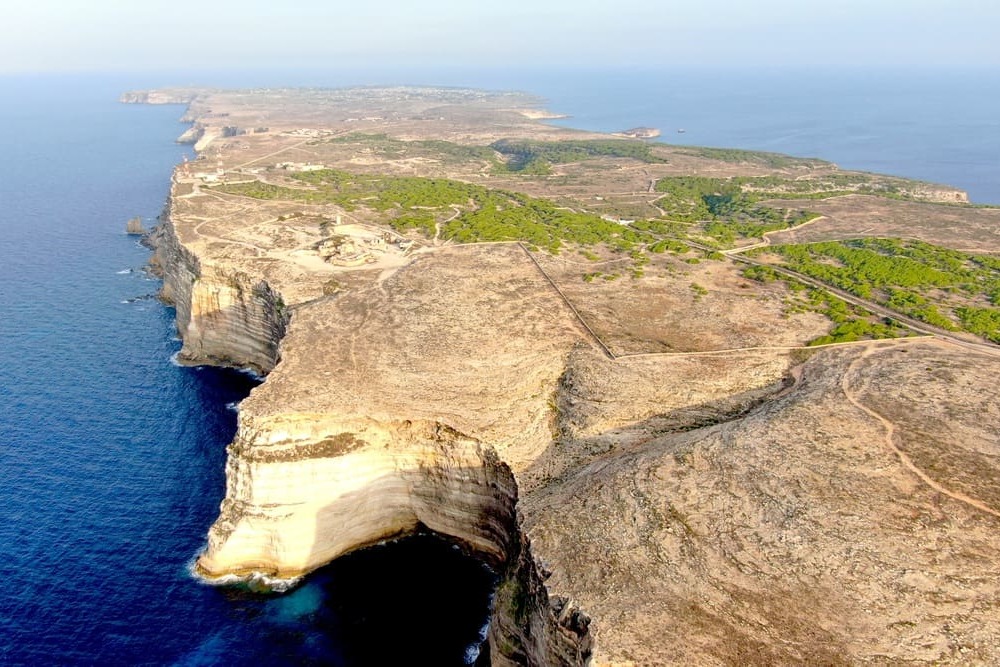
x=890, y=439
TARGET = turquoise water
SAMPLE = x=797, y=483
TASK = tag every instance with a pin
x=111, y=458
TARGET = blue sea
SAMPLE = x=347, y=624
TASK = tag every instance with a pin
x=111, y=458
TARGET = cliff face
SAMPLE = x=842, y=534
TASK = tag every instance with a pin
x=723, y=503
x=224, y=316
x=192, y=135
x=940, y=194
x=531, y=627
x=303, y=490
x=310, y=478
x=177, y=96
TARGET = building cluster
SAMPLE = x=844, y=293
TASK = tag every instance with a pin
x=356, y=249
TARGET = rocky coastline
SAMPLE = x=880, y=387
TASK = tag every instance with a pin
x=706, y=489
x=302, y=490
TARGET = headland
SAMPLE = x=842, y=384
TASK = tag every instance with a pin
x=693, y=405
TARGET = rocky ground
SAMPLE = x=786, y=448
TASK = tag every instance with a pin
x=659, y=468
x=791, y=532
x=958, y=227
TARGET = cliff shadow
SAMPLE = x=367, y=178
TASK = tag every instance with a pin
x=420, y=596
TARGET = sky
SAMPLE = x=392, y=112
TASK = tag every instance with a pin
x=136, y=35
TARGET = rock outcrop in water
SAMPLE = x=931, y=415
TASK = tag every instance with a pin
x=742, y=499
x=134, y=226
x=192, y=135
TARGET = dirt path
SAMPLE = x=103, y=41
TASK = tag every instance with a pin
x=779, y=348
x=281, y=150
x=890, y=440
x=437, y=225
x=765, y=241
x=579, y=318
x=198, y=227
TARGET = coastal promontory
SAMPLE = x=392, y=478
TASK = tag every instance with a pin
x=692, y=405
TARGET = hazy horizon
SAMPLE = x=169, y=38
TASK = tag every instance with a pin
x=54, y=36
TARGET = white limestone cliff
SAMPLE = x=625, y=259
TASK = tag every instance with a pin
x=306, y=483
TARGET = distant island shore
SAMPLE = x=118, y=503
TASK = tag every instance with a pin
x=640, y=133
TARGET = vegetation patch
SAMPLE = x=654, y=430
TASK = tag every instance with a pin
x=828, y=185
x=390, y=147
x=506, y=156
x=537, y=157
x=773, y=160
x=946, y=288
x=726, y=210
x=465, y=212
x=851, y=323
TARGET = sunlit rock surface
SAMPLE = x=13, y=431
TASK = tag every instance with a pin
x=727, y=502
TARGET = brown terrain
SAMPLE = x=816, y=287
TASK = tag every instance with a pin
x=655, y=462
x=853, y=216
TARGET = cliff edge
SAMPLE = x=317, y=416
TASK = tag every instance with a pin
x=658, y=467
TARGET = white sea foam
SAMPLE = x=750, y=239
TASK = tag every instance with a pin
x=255, y=581
x=276, y=584
x=251, y=372
x=233, y=405
x=472, y=653
x=175, y=361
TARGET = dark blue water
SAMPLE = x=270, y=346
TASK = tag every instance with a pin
x=111, y=459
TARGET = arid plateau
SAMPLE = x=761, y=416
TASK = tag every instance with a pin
x=694, y=406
